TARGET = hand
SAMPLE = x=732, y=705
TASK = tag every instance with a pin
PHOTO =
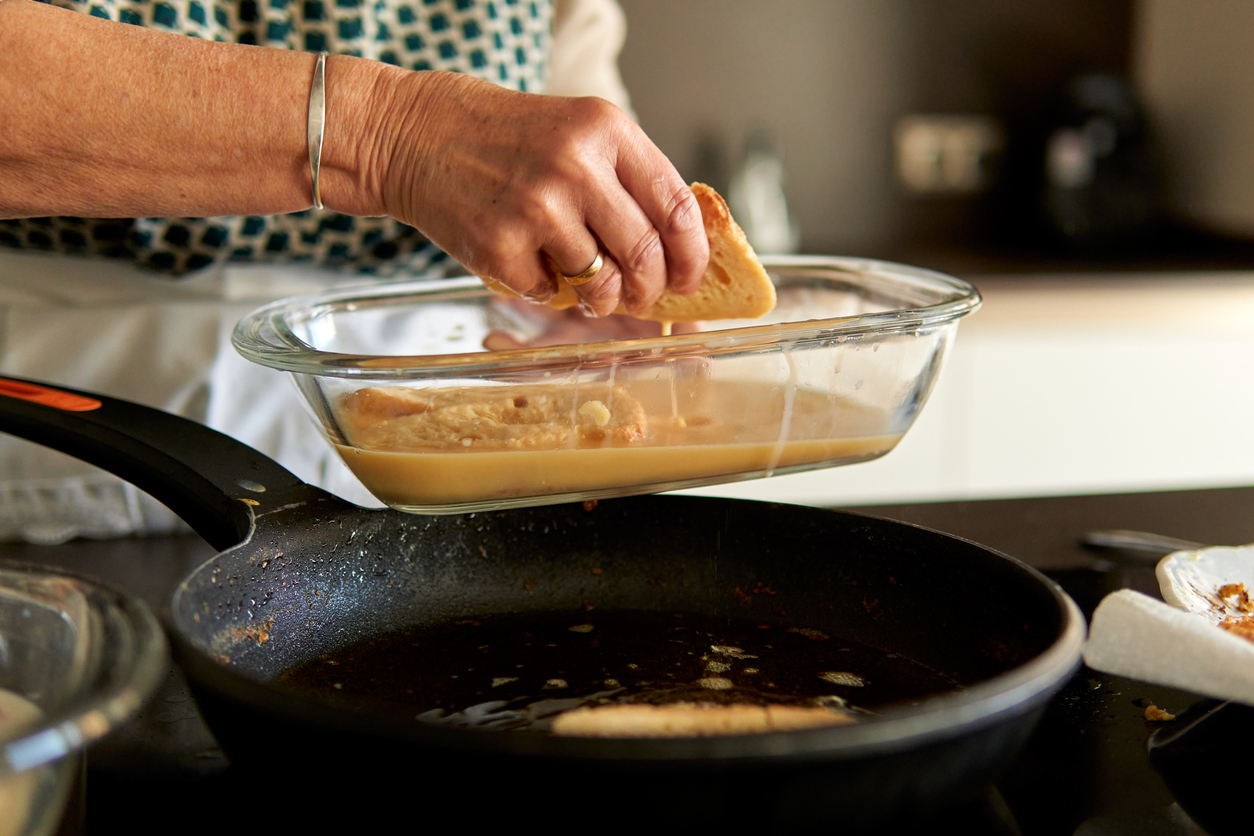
x=501, y=180
x=569, y=327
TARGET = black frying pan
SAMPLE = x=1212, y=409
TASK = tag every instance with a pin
x=303, y=573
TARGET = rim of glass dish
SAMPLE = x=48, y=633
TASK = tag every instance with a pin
x=95, y=715
x=265, y=337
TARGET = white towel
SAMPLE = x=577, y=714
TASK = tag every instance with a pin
x=1142, y=638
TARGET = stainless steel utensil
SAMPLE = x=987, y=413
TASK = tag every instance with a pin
x=1137, y=541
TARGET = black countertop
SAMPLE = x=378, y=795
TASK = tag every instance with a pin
x=1086, y=769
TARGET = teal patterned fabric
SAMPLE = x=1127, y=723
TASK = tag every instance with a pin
x=505, y=41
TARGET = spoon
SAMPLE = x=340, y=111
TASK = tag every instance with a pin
x=1212, y=581
x=1137, y=541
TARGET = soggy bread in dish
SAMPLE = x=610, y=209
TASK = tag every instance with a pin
x=735, y=285
x=491, y=418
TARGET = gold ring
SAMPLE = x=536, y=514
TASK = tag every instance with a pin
x=587, y=275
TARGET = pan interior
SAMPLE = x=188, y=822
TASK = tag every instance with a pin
x=520, y=671
x=302, y=588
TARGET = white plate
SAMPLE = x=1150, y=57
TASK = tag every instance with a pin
x=1214, y=582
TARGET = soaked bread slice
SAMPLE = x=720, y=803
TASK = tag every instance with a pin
x=735, y=285
x=491, y=418
x=691, y=720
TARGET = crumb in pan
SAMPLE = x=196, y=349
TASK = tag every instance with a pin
x=1154, y=714
x=735, y=285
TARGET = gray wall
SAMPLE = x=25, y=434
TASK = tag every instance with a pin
x=828, y=79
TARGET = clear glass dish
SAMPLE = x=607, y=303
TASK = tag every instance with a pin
x=568, y=408
x=77, y=660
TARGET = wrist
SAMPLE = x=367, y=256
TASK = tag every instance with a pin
x=412, y=116
x=355, y=138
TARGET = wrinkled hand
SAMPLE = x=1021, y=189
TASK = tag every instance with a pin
x=501, y=180
x=571, y=327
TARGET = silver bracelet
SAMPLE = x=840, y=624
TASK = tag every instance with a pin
x=317, y=122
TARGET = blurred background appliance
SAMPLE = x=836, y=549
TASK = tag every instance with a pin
x=757, y=200
x=1102, y=178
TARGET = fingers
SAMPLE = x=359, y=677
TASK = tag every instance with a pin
x=632, y=244
x=650, y=223
x=527, y=273
x=587, y=274
x=620, y=196
x=504, y=181
x=599, y=294
x=546, y=327
x=668, y=204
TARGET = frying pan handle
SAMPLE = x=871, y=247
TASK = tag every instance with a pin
x=216, y=484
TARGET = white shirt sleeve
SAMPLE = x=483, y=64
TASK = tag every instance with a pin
x=587, y=37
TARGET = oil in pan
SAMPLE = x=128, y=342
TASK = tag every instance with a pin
x=519, y=671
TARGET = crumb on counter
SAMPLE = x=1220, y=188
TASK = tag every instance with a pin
x=1239, y=625
x=1154, y=714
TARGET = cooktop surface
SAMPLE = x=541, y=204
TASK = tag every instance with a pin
x=1095, y=765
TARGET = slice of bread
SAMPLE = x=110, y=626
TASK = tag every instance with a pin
x=735, y=285
x=691, y=720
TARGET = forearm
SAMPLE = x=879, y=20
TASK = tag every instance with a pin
x=101, y=119
x=104, y=119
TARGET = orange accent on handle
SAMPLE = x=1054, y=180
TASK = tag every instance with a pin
x=48, y=397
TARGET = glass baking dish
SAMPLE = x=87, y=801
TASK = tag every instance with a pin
x=77, y=660
x=402, y=382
